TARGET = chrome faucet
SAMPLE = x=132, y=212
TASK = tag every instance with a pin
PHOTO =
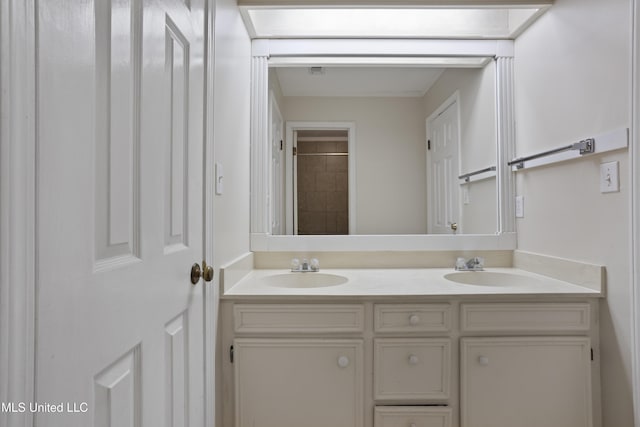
x=473, y=264
x=306, y=266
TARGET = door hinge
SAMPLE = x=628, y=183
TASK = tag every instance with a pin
x=231, y=354
x=591, y=354
x=295, y=151
x=428, y=144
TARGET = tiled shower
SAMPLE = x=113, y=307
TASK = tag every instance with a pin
x=322, y=182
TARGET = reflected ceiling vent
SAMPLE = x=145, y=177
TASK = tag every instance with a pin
x=316, y=71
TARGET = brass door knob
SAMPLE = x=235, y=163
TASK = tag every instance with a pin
x=206, y=272
x=454, y=226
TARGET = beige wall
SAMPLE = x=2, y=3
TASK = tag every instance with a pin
x=572, y=81
x=390, y=152
x=476, y=89
x=231, y=132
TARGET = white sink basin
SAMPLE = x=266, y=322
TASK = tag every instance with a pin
x=304, y=280
x=491, y=278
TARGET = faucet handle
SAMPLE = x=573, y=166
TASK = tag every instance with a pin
x=314, y=264
x=460, y=263
x=295, y=264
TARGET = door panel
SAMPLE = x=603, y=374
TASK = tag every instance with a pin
x=117, y=136
x=117, y=391
x=120, y=192
x=176, y=169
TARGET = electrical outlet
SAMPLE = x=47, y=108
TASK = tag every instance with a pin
x=519, y=206
x=609, y=177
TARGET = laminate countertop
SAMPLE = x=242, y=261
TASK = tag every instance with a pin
x=402, y=283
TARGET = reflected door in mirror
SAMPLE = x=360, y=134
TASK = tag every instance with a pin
x=443, y=168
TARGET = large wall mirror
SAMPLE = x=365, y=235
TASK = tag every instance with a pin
x=357, y=146
x=383, y=149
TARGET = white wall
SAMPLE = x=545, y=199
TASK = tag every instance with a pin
x=573, y=81
x=477, y=138
x=274, y=87
x=231, y=131
x=390, y=152
x=232, y=77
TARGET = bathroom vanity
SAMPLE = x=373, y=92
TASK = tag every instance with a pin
x=410, y=348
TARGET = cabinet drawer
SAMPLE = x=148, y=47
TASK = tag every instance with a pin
x=296, y=318
x=412, y=416
x=525, y=317
x=412, y=318
x=411, y=369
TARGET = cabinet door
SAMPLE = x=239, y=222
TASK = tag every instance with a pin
x=526, y=382
x=298, y=382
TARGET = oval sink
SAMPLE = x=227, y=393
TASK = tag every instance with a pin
x=304, y=280
x=491, y=278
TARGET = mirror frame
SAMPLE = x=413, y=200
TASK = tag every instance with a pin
x=291, y=50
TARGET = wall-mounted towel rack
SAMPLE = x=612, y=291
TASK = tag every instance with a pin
x=609, y=141
x=467, y=176
x=586, y=146
x=321, y=154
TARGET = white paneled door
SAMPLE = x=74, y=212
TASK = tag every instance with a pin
x=443, y=168
x=120, y=212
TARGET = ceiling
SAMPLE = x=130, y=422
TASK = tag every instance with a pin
x=483, y=20
x=383, y=19
x=357, y=81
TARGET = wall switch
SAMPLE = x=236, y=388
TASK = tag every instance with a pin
x=519, y=206
x=219, y=177
x=609, y=177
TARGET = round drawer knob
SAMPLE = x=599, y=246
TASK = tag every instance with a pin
x=483, y=360
x=343, y=361
x=414, y=319
x=413, y=359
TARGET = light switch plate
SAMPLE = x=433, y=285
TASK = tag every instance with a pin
x=519, y=206
x=219, y=177
x=465, y=196
x=609, y=177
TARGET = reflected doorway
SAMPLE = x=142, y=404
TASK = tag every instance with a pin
x=321, y=195
x=320, y=178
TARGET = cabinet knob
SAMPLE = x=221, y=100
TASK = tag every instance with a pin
x=413, y=359
x=483, y=360
x=414, y=319
x=343, y=361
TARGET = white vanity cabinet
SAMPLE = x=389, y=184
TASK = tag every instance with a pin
x=308, y=378
x=444, y=362
x=541, y=379
x=412, y=365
